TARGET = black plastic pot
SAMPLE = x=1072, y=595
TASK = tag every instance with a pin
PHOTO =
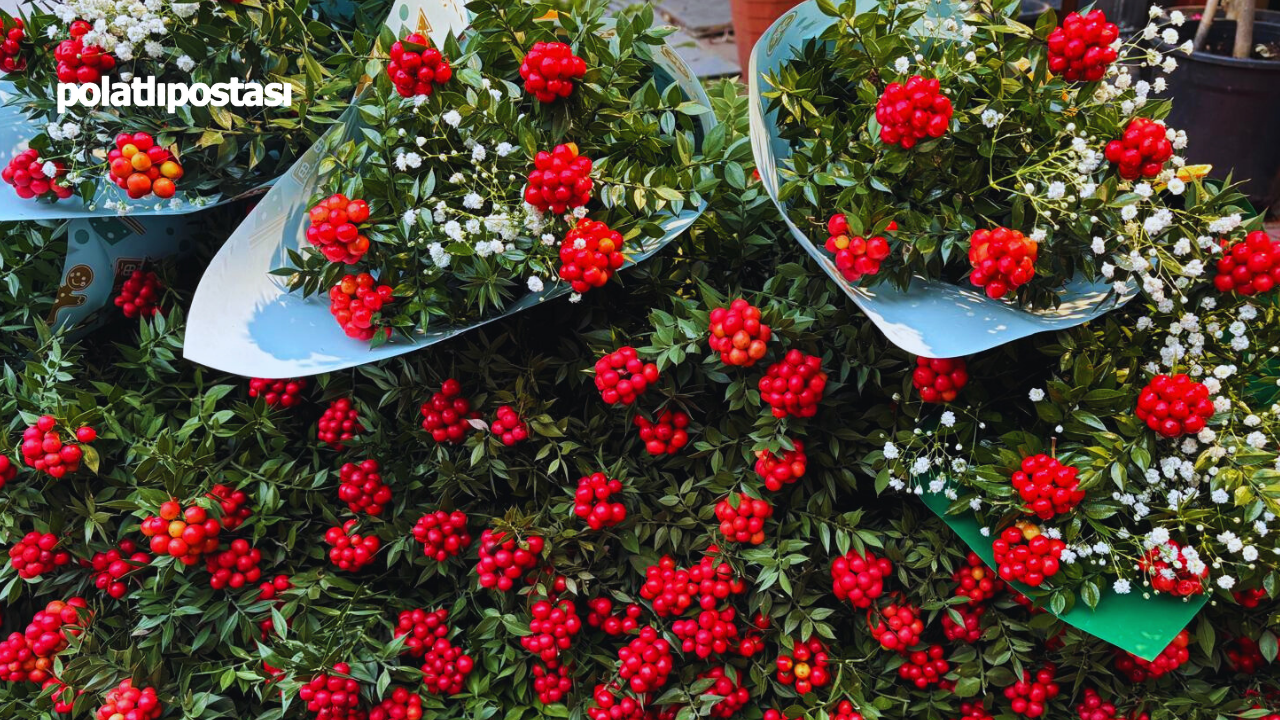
x=1228, y=107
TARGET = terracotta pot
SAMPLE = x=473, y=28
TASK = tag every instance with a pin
x=750, y=19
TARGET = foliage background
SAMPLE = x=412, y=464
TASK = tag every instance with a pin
x=171, y=428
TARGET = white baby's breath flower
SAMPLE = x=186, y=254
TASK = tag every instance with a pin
x=902, y=65
x=185, y=63
x=504, y=149
x=452, y=118
x=948, y=419
x=1169, y=36
x=1036, y=394
x=1121, y=587
x=535, y=283
x=1226, y=582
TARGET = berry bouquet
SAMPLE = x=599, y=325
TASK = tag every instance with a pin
x=156, y=158
x=938, y=158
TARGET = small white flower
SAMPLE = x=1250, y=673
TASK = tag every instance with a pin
x=975, y=504
x=452, y=118
x=1256, y=440
x=920, y=466
x=1142, y=189
x=535, y=283
x=185, y=63
x=473, y=201
x=1169, y=65
x=970, y=57
x=575, y=298
x=1226, y=582
x=1176, y=186
x=1056, y=190
x=504, y=149
x=1128, y=212
x=1036, y=394
x=1177, y=18
x=1087, y=190
x=1169, y=36
x=948, y=419
x=410, y=216
x=1121, y=587
x=902, y=65
x=1098, y=246
x=478, y=153
x=986, y=531
x=49, y=169
x=1219, y=496
x=1249, y=553
x=991, y=118
x=1039, y=234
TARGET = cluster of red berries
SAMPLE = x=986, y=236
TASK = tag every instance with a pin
x=621, y=376
x=551, y=629
x=672, y=590
x=713, y=631
x=974, y=711
x=1249, y=267
x=28, y=656
x=36, y=554
x=286, y=392
x=939, y=380
x=600, y=615
x=666, y=435
x=844, y=711
x=1080, y=48
x=1029, y=695
x=26, y=172
x=859, y=578
x=44, y=450
x=503, y=559
x=362, y=488
x=589, y=255
x=1245, y=656
x=898, y=627
x=1025, y=554
x=611, y=705
x=1169, y=659
x=350, y=550
x=443, y=535
x=1047, y=486
x=1250, y=598
x=333, y=697
x=551, y=682
x=421, y=629
x=126, y=702
x=855, y=256
x=186, y=539
x=560, y=180
x=78, y=62
x=14, y=33
x=549, y=69
x=271, y=591
x=734, y=694
x=925, y=667
x=1094, y=708
x=969, y=629
x=445, y=668
x=110, y=567
x=339, y=423
x=738, y=335
x=645, y=662
x=355, y=302
x=1141, y=151
x=445, y=415
x=141, y=167
x=234, y=505
x=8, y=470
x=333, y=228
x=1003, y=260
x=591, y=501
x=1175, y=405
x=402, y=705
x=63, y=696
x=912, y=111
x=785, y=470
x=234, y=567
x=140, y=294
x=794, y=386
x=805, y=667
x=415, y=68
x=975, y=581
x=1168, y=569
x=742, y=518
x=508, y=426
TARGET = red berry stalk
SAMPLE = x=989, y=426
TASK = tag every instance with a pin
x=141, y=167
x=734, y=693
x=859, y=578
x=445, y=668
x=549, y=69
x=621, y=376
x=333, y=697
x=611, y=704
x=1249, y=267
x=1245, y=656
x=552, y=628
x=140, y=295
x=589, y=255
x=897, y=627
x=785, y=470
x=362, y=488
x=969, y=629
x=645, y=662
x=285, y=393
x=1024, y=554
x=421, y=629
x=356, y=303
x=856, y=257
x=1030, y=695
x=14, y=34
x=925, y=667
x=743, y=522
x=1003, y=260
x=600, y=616
x=350, y=550
x=503, y=559
x=28, y=655
x=591, y=501
x=271, y=591
x=8, y=470
x=1169, y=659
x=32, y=177
x=794, y=386
x=551, y=683
x=508, y=426
x=1141, y=151
x=1047, y=486
x=1175, y=405
x=738, y=335
x=1080, y=48
x=184, y=534
x=844, y=711
x=334, y=228
x=446, y=414
x=709, y=632
x=234, y=504
x=44, y=449
x=913, y=111
x=443, y=535
x=939, y=380
x=111, y=567
x=402, y=705
x=126, y=702
x=805, y=668
x=339, y=423
x=975, y=581
x=666, y=435
x=234, y=567
x=560, y=180
x=415, y=68
x=79, y=62
x=36, y=554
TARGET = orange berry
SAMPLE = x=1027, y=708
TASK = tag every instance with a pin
x=129, y=150
x=138, y=184
x=140, y=161
x=163, y=187
x=171, y=170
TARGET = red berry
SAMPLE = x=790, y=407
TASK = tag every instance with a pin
x=362, y=488
x=731, y=689
x=939, y=380
x=1142, y=151
x=742, y=518
x=551, y=682
x=552, y=628
x=549, y=69
x=350, y=550
x=560, y=180
x=234, y=504
x=1081, y=47
x=443, y=535
x=339, y=423
x=333, y=697
x=645, y=662
x=126, y=701
x=805, y=668
x=12, y=37
x=975, y=581
x=234, y=567
x=1169, y=570
x=1175, y=405
x=785, y=470
x=666, y=435
x=590, y=254
x=36, y=554
x=713, y=632
x=503, y=559
x=969, y=628
x=912, y=111
x=925, y=667
x=855, y=256
x=445, y=416
x=897, y=627
x=621, y=376
x=356, y=302
x=285, y=393
x=43, y=449
x=420, y=630
x=508, y=426
x=591, y=501
x=1249, y=267
x=1024, y=554
x=1047, y=487
x=1003, y=260
x=1030, y=695
x=111, y=567
x=738, y=335
x=794, y=386
x=859, y=578
x=333, y=228
x=402, y=705
x=415, y=68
